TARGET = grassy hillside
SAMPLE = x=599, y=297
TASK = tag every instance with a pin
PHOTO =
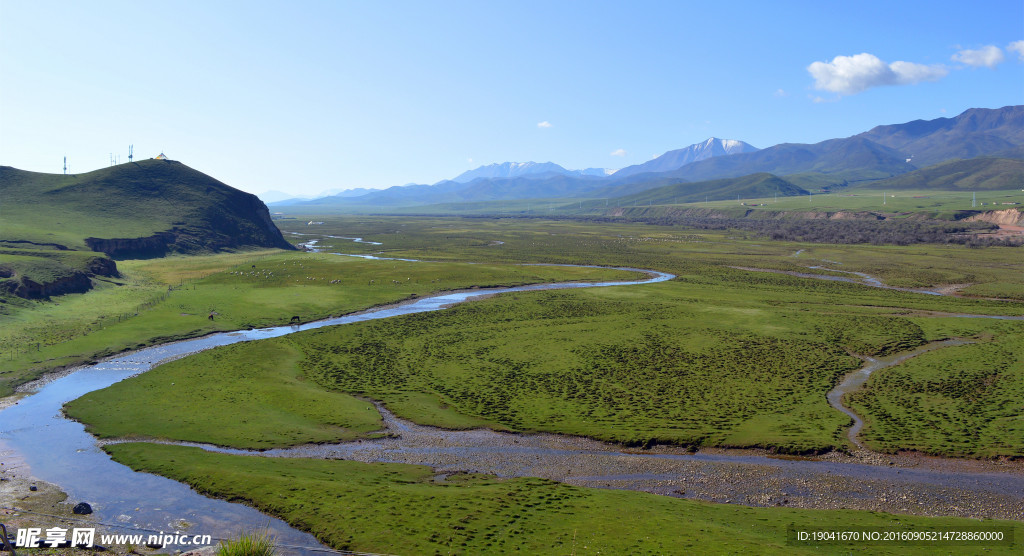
x=193, y=211
x=983, y=174
x=746, y=187
x=975, y=132
x=59, y=233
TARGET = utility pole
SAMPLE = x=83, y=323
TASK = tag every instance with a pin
x=65, y=165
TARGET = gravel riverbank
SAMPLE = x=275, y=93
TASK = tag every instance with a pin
x=900, y=484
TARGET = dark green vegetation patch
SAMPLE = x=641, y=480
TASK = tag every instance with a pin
x=632, y=367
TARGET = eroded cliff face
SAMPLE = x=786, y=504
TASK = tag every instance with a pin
x=102, y=266
x=45, y=276
x=76, y=282
x=1005, y=217
x=133, y=248
x=243, y=221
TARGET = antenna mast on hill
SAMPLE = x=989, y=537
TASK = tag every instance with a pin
x=65, y=165
x=130, y=148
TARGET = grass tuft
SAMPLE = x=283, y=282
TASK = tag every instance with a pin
x=259, y=543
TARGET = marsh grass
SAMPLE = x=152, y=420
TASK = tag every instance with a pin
x=258, y=543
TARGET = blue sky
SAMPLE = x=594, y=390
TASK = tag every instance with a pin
x=308, y=96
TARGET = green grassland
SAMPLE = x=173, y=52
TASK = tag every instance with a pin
x=718, y=356
x=167, y=299
x=898, y=204
x=250, y=397
x=670, y=362
x=893, y=202
x=404, y=509
x=698, y=254
x=678, y=363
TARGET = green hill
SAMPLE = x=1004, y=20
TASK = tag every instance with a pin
x=58, y=231
x=753, y=186
x=982, y=174
x=135, y=210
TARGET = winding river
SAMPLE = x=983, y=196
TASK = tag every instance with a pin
x=59, y=451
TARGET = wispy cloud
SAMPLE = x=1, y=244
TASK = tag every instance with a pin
x=986, y=56
x=848, y=75
x=781, y=93
x=816, y=99
x=1018, y=47
x=545, y=124
x=619, y=152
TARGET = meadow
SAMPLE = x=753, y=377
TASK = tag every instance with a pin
x=719, y=356
x=161, y=300
x=899, y=203
x=406, y=509
x=716, y=357
x=967, y=401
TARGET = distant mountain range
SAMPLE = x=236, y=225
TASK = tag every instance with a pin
x=274, y=196
x=878, y=154
x=673, y=160
x=508, y=170
x=522, y=180
x=976, y=132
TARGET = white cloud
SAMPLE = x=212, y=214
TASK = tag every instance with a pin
x=852, y=74
x=1018, y=47
x=987, y=56
x=781, y=93
x=545, y=124
x=819, y=99
x=619, y=152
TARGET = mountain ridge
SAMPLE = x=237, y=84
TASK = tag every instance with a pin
x=676, y=159
x=879, y=153
x=504, y=170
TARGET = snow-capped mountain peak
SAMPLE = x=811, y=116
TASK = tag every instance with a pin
x=673, y=160
x=519, y=169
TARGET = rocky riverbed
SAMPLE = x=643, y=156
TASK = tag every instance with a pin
x=901, y=484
